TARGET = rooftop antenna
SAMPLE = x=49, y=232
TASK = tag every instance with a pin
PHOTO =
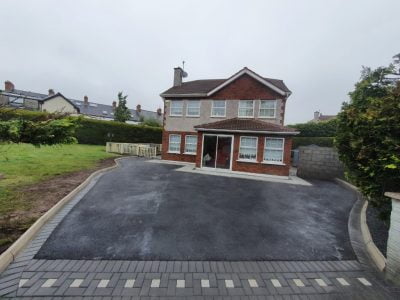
x=184, y=74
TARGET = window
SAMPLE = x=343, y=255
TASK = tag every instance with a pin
x=174, y=143
x=248, y=148
x=273, y=150
x=246, y=108
x=176, y=108
x=193, y=108
x=267, y=109
x=191, y=144
x=218, y=108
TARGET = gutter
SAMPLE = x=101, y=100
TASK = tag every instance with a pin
x=250, y=131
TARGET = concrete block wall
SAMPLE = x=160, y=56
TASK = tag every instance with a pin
x=393, y=246
x=319, y=163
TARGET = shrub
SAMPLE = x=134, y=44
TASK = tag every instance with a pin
x=99, y=132
x=7, y=114
x=306, y=141
x=368, y=136
x=319, y=129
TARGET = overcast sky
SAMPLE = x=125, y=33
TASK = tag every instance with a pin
x=98, y=48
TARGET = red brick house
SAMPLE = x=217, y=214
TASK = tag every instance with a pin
x=234, y=123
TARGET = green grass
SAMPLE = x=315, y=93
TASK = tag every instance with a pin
x=23, y=164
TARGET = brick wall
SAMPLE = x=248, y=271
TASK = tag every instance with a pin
x=177, y=157
x=319, y=162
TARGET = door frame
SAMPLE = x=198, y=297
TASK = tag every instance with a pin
x=231, y=156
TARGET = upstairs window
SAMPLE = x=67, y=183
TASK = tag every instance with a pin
x=176, y=108
x=267, y=109
x=248, y=148
x=174, y=145
x=246, y=108
x=218, y=108
x=191, y=144
x=273, y=150
x=193, y=108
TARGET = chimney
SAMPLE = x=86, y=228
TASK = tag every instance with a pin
x=159, y=111
x=178, y=75
x=51, y=92
x=8, y=86
x=114, y=104
x=316, y=115
x=85, y=100
x=138, y=108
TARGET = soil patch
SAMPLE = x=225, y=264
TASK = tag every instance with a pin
x=41, y=197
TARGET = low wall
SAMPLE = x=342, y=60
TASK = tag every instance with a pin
x=319, y=163
x=145, y=150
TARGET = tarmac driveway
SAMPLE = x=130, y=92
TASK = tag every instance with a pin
x=148, y=211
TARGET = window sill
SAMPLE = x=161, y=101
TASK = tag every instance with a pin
x=247, y=161
x=273, y=163
x=189, y=153
x=218, y=117
x=270, y=118
x=173, y=152
x=192, y=116
x=246, y=117
x=175, y=116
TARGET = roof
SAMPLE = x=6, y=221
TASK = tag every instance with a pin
x=91, y=109
x=206, y=87
x=246, y=125
x=326, y=117
x=62, y=96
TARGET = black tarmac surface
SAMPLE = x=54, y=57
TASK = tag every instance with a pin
x=148, y=211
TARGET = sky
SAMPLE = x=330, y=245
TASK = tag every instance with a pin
x=98, y=48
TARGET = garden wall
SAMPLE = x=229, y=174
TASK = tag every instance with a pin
x=319, y=163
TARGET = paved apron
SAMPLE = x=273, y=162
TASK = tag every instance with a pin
x=33, y=278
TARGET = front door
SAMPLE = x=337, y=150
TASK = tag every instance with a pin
x=217, y=151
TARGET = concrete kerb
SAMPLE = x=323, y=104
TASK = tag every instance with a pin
x=358, y=215
x=9, y=255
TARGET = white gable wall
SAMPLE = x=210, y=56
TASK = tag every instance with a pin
x=58, y=104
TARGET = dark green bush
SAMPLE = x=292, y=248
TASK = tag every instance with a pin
x=306, y=141
x=90, y=131
x=320, y=129
x=99, y=132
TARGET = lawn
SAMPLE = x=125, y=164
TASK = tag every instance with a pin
x=23, y=166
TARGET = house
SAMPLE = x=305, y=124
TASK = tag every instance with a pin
x=234, y=123
x=56, y=102
x=318, y=117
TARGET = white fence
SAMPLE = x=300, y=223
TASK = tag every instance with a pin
x=145, y=150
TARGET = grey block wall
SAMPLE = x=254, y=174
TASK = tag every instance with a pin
x=319, y=163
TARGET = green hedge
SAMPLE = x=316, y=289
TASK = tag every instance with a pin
x=320, y=129
x=95, y=132
x=306, y=141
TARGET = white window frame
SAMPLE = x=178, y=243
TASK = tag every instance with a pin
x=170, y=108
x=267, y=117
x=273, y=162
x=185, y=150
x=169, y=143
x=212, y=109
x=240, y=146
x=187, y=108
x=241, y=101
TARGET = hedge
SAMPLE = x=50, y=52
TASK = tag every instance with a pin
x=99, y=132
x=306, y=141
x=319, y=129
x=95, y=132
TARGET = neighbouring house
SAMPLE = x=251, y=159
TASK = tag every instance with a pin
x=318, y=117
x=56, y=102
x=234, y=123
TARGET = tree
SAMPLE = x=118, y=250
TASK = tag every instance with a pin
x=368, y=135
x=122, y=113
x=151, y=122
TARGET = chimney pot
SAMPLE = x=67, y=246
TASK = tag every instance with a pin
x=178, y=75
x=316, y=115
x=8, y=86
x=138, y=108
x=85, y=100
x=114, y=104
x=159, y=111
x=51, y=92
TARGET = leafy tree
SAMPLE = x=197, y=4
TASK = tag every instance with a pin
x=368, y=136
x=122, y=113
x=318, y=129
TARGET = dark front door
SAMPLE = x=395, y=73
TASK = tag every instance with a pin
x=217, y=151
